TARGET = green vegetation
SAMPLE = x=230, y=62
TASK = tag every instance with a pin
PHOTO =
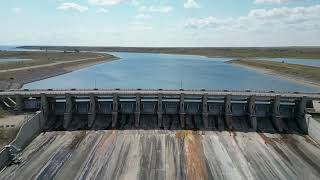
x=7, y=135
x=295, y=70
x=271, y=52
x=44, y=65
x=3, y=113
x=41, y=58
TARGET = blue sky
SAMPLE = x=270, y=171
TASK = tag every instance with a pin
x=160, y=22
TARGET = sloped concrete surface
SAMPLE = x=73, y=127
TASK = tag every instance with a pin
x=160, y=154
x=314, y=127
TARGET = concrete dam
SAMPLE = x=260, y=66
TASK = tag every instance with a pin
x=163, y=134
x=159, y=109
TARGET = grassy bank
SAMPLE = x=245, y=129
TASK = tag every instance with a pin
x=3, y=113
x=41, y=58
x=244, y=52
x=7, y=135
x=44, y=65
x=308, y=74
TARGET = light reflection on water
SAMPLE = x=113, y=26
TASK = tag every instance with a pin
x=139, y=70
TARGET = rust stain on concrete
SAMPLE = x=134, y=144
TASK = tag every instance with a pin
x=166, y=155
x=195, y=161
x=98, y=157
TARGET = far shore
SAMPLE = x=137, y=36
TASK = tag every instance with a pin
x=294, y=77
x=15, y=78
x=232, y=52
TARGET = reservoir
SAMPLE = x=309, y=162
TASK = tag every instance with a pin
x=144, y=70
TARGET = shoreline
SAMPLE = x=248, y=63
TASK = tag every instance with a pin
x=283, y=76
x=243, y=52
x=46, y=71
x=32, y=74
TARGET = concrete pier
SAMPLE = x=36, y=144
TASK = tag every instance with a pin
x=115, y=108
x=228, y=111
x=137, y=111
x=92, y=111
x=19, y=103
x=300, y=115
x=44, y=108
x=205, y=114
x=252, y=113
x=182, y=112
x=68, y=112
x=160, y=111
x=276, y=116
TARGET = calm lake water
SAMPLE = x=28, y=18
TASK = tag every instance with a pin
x=139, y=70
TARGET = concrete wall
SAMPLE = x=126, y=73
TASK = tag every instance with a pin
x=4, y=157
x=313, y=127
x=28, y=131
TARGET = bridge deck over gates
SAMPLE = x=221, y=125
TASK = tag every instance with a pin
x=184, y=109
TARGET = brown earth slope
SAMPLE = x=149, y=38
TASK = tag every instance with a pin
x=300, y=73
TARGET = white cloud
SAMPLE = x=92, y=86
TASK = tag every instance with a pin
x=72, y=6
x=143, y=16
x=139, y=26
x=298, y=18
x=111, y=2
x=271, y=1
x=104, y=2
x=159, y=9
x=16, y=10
x=191, y=4
x=102, y=11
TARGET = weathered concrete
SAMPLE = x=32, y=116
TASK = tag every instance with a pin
x=115, y=108
x=163, y=154
x=301, y=113
x=313, y=123
x=205, y=114
x=182, y=112
x=19, y=103
x=276, y=117
x=160, y=111
x=151, y=92
x=137, y=111
x=92, y=112
x=228, y=111
x=281, y=109
x=252, y=112
x=68, y=111
x=167, y=155
x=28, y=131
x=44, y=108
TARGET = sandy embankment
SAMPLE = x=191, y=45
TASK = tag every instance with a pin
x=16, y=78
x=286, y=76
